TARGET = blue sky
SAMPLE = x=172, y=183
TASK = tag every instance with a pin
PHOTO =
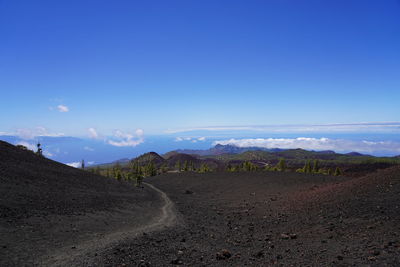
x=69, y=66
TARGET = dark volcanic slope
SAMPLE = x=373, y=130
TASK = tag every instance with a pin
x=32, y=185
x=46, y=206
x=264, y=219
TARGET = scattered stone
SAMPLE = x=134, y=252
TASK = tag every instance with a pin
x=259, y=254
x=223, y=255
x=285, y=236
x=375, y=252
x=177, y=261
x=188, y=192
x=340, y=257
x=293, y=236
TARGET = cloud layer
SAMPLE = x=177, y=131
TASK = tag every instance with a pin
x=337, y=127
x=75, y=164
x=62, y=108
x=338, y=145
x=191, y=139
x=122, y=139
x=93, y=133
x=28, y=134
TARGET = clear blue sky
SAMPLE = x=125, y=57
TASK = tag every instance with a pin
x=160, y=65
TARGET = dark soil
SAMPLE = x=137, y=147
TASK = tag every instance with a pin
x=47, y=208
x=269, y=218
x=52, y=214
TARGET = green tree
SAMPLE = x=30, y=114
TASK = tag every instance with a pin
x=118, y=175
x=83, y=164
x=204, y=168
x=248, y=166
x=150, y=169
x=316, y=166
x=338, y=172
x=178, y=165
x=191, y=166
x=281, y=166
x=164, y=168
x=307, y=167
x=329, y=171
x=185, y=166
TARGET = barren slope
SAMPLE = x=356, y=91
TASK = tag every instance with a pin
x=52, y=214
x=264, y=219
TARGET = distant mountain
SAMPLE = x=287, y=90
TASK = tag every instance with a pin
x=223, y=149
x=356, y=154
x=121, y=161
x=149, y=157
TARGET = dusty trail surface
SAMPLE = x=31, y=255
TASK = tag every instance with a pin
x=55, y=215
x=85, y=250
x=270, y=218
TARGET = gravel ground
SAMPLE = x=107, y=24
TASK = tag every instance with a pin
x=263, y=219
x=52, y=214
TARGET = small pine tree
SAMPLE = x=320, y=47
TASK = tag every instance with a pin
x=150, y=169
x=178, y=165
x=118, y=175
x=281, y=166
x=164, y=168
x=191, y=166
x=338, y=171
x=329, y=171
x=185, y=166
x=316, y=166
x=307, y=167
x=204, y=168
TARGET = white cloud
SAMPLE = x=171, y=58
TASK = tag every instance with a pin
x=338, y=145
x=28, y=134
x=74, y=164
x=33, y=147
x=90, y=163
x=47, y=154
x=192, y=139
x=62, y=108
x=88, y=148
x=29, y=146
x=122, y=139
x=93, y=133
x=334, y=127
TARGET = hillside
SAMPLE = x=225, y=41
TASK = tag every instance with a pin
x=273, y=219
x=47, y=207
x=149, y=157
x=224, y=149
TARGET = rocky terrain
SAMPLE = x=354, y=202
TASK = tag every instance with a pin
x=263, y=219
x=52, y=214
x=55, y=215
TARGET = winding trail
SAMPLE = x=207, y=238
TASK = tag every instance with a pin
x=84, y=252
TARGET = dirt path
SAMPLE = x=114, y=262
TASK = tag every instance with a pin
x=83, y=253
